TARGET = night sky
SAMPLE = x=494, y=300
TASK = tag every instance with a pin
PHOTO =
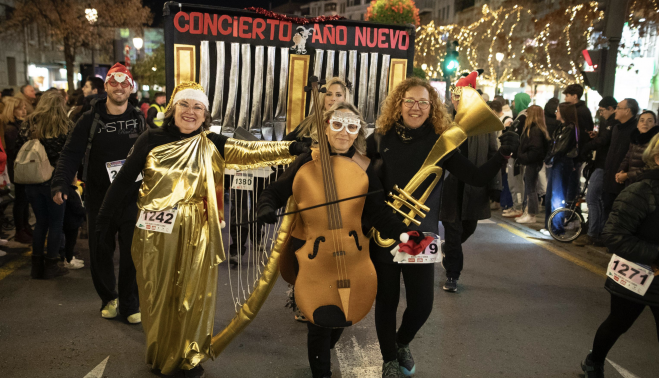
x=156, y=6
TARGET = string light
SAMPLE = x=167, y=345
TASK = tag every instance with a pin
x=539, y=55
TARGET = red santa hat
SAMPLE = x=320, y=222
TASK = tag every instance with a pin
x=120, y=74
x=468, y=79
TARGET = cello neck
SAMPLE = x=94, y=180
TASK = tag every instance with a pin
x=333, y=211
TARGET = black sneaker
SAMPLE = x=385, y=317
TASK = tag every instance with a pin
x=391, y=369
x=405, y=360
x=591, y=369
x=451, y=285
x=52, y=269
x=196, y=372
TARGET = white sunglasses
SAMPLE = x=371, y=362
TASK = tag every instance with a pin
x=349, y=121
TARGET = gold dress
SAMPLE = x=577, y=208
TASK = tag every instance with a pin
x=177, y=272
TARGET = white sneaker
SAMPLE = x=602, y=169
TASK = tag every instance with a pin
x=136, y=318
x=110, y=310
x=545, y=232
x=3, y=253
x=526, y=218
x=74, y=264
x=513, y=214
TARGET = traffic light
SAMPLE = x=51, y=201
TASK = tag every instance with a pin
x=597, y=60
x=450, y=64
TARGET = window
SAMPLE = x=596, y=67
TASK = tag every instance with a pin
x=342, y=8
x=11, y=71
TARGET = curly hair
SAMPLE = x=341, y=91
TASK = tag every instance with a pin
x=360, y=142
x=391, y=109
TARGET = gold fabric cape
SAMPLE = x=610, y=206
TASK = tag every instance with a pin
x=177, y=272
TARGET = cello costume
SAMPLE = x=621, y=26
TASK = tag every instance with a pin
x=324, y=334
x=177, y=271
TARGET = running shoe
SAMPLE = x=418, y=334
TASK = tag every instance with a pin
x=591, y=369
x=526, y=218
x=391, y=369
x=451, y=285
x=74, y=264
x=405, y=360
x=110, y=310
x=545, y=232
x=136, y=318
x=3, y=253
x=513, y=214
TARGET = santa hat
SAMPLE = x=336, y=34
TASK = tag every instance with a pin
x=188, y=90
x=120, y=73
x=467, y=80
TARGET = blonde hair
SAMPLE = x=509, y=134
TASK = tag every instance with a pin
x=535, y=114
x=49, y=119
x=652, y=152
x=360, y=142
x=391, y=109
x=306, y=125
x=11, y=104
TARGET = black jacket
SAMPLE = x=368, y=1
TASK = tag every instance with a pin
x=620, y=138
x=631, y=232
x=562, y=142
x=111, y=142
x=633, y=162
x=601, y=143
x=396, y=161
x=585, y=120
x=532, y=147
x=551, y=122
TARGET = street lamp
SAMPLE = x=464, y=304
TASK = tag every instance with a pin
x=499, y=57
x=92, y=16
x=138, y=43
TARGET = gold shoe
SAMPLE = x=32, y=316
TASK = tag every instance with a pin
x=136, y=318
x=110, y=310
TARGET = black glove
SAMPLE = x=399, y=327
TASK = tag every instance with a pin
x=509, y=143
x=266, y=214
x=297, y=148
x=495, y=195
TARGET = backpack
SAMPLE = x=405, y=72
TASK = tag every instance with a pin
x=32, y=165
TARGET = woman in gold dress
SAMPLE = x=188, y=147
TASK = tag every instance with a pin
x=177, y=244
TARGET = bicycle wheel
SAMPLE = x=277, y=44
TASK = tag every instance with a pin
x=565, y=225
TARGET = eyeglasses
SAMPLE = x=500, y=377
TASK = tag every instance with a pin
x=195, y=109
x=619, y=108
x=409, y=103
x=351, y=128
x=114, y=83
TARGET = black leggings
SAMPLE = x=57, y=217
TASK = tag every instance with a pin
x=623, y=314
x=419, y=285
x=320, y=341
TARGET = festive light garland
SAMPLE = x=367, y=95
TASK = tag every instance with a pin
x=533, y=56
x=295, y=20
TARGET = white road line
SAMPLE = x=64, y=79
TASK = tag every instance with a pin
x=358, y=362
x=624, y=372
x=486, y=221
x=98, y=370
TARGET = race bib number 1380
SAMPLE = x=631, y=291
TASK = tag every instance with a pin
x=630, y=275
x=158, y=221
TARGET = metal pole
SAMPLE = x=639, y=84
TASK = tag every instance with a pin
x=616, y=12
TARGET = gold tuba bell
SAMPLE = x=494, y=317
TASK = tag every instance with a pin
x=473, y=117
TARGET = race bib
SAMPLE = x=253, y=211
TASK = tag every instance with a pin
x=431, y=255
x=158, y=221
x=114, y=167
x=630, y=275
x=243, y=181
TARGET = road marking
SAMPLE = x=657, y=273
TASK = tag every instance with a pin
x=98, y=370
x=358, y=362
x=486, y=221
x=551, y=248
x=624, y=372
x=14, y=264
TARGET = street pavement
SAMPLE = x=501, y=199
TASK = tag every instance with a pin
x=526, y=307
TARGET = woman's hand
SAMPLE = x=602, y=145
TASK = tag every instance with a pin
x=621, y=177
x=297, y=148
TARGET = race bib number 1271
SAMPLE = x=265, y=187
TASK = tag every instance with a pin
x=630, y=275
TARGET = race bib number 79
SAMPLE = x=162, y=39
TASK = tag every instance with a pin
x=158, y=221
x=430, y=255
x=630, y=275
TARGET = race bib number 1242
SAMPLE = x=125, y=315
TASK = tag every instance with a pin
x=158, y=221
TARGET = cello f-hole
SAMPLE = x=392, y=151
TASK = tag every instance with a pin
x=315, y=247
x=353, y=233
